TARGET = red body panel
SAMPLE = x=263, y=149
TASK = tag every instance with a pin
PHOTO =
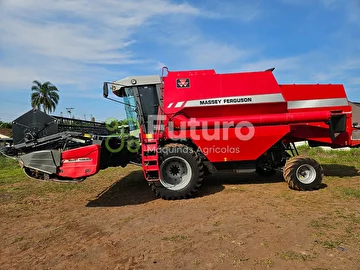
x=209, y=101
x=268, y=119
x=331, y=97
x=80, y=162
x=205, y=86
x=229, y=147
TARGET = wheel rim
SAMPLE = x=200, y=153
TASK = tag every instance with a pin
x=176, y=173
x=306, y=174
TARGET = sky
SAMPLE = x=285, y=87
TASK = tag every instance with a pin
x=77, y=45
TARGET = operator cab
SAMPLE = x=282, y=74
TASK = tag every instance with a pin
x=141, y=97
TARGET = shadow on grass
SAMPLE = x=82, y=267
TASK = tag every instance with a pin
x=323, y=185
x=340, y=170
x=130, y=190
x=242, y=178
x=228, y=178
x=134, y=190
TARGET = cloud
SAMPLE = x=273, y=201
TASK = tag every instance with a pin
x=314, y=65
x=79, y=44
x=330, y=3
x=350, y=9
x=284, y=64
x=353, y=9
x=68, y=40
x=247, y=11
x=191, y=46
x=310, y=68
x=210, y=54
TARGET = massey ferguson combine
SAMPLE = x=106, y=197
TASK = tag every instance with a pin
x=194, y=123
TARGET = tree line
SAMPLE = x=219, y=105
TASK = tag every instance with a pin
x=5, y=124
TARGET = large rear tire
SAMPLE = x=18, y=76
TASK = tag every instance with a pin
x=181, y=173
x=303, y=173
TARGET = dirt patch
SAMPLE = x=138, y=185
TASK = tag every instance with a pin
x=113, y=221
x=6, y=131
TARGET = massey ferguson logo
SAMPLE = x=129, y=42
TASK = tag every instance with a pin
x=183, y=83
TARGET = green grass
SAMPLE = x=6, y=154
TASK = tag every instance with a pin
x=330, y=244
x=217, y=223
x=16, y=185
x=10, y=171
x=320, y=223
x=344, y=157
x=351, y=192
x=350, y=217
x=293, y=255
x=235, y=189
x=175, y=238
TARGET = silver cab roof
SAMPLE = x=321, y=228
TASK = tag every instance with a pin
x=118, y=86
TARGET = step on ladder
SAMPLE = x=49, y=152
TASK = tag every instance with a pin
x=150, y=160
x=150, y=143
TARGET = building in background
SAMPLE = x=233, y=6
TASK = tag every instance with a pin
x=356, y=118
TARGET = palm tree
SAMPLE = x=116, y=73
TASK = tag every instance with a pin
x=44, y=95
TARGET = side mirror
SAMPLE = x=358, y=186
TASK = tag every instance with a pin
x=105, y=90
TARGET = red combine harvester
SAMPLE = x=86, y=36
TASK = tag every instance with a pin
x=193, y=123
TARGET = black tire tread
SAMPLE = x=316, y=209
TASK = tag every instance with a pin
x=159, y=191
x=291, y=165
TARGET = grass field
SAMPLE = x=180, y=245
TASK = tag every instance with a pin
x=113, y=221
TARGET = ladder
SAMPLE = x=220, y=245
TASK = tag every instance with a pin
x=150, y=159
x=150, y=144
